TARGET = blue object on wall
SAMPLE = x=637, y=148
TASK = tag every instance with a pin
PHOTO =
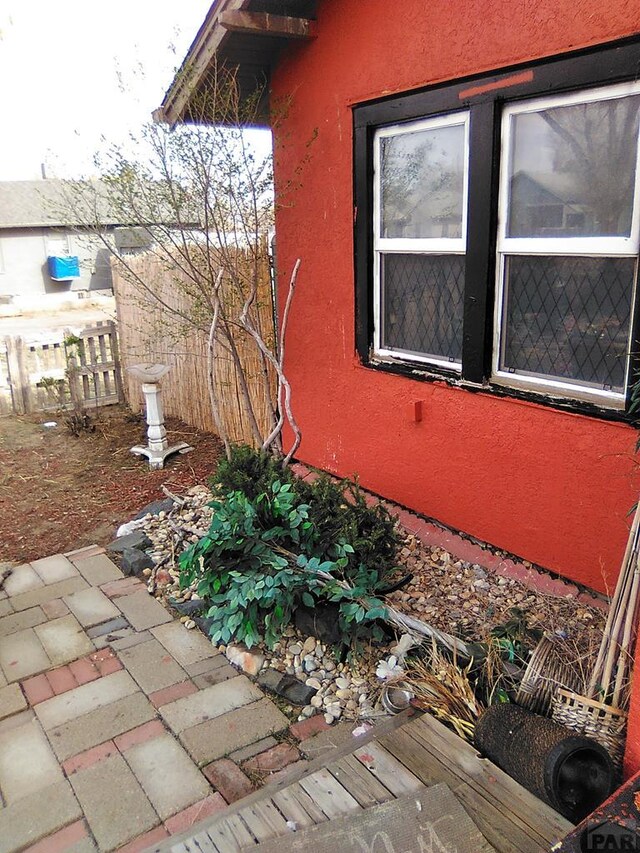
x=64, y=268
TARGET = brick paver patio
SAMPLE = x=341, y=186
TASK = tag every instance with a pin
x=118, y=727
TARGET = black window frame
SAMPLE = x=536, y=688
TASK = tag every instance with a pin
x=483, y=96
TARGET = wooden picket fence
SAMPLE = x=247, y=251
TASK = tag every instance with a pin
x=49, y=374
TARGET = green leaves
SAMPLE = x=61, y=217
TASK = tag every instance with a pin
x=275, y=542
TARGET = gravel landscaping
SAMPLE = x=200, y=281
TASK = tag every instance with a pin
x=460, y=598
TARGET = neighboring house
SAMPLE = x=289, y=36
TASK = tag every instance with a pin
x=465, y=325
x=41, y=253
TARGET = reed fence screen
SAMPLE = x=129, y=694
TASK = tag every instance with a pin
x=151, y=330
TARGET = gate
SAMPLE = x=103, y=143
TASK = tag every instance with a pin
x=60, y=372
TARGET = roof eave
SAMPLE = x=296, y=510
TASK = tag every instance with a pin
x=237, y=37
x=195, y=64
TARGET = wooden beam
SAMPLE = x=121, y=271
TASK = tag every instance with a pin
x=264, y=24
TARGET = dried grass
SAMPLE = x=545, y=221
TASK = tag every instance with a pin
x=442, y=688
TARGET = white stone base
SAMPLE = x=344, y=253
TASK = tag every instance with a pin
x=156, y=457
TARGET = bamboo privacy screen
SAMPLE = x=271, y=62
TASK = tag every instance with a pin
x=149, y=331
x=602, y=712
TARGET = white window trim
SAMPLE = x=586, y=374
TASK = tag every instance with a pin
x=53, y=236
x=434, y=246
x=559, y=246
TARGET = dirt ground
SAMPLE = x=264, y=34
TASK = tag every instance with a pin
x=59, y=492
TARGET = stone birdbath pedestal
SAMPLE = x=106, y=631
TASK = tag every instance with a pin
x=158, y=448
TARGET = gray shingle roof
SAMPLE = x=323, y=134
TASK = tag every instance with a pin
x=32, y=204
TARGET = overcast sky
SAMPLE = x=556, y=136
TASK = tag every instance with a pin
x=73, y=71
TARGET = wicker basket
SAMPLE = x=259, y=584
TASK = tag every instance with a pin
x=545, y=672
x=594, y=719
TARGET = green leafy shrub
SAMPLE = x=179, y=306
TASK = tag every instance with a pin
x=249, y=471
x=338, y=510
x=268, y=551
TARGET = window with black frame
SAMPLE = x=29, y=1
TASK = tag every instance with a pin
x=554, y=183
x=566, y=282
x=420, y=208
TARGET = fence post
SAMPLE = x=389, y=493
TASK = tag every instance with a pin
x=18, y=375
x=75, y=386
x=115, y=354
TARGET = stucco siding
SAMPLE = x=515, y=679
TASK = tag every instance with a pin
x=23, y=263
x=551, y=486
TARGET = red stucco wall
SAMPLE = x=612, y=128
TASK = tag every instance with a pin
x=550, y=486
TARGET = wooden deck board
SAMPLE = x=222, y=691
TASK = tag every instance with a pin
x=264, y=820
x=293, y=810
x=487, y=776
x=386, y=767
x=239, y=831
x=431, y=819
x=397, y=762
x=225, y=840
x=509, y=816
x=502, y=834
x=330, y=796
x=359, y=782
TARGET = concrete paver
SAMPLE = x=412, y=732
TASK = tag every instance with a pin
x=131, y=639
x=21, y=621
x=64, y=640
x=74, y=838
x=37, y=688
x=218, y=737
x=208, y=664
x=101, y=725
x=91, y=607
x=55, y=608
x=54, y=569
x=161, y=759
x=170, y=694
x=102, y=730
x=27, y=763
x=97, y=569
x=212, y=702
x=22, y=654
x=113, y=637
x=22, y=579
x=11, y=700
x=142, y=610
x=114, y=803
x=88, y=697
x=152, y=666
x=47, y=593
x=246, y=752
x=17, y=720
x=117, y=625
x=187, y=647
x=213, y=804
x=26, y=821
x=215, y=676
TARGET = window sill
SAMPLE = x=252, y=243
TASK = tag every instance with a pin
x=424, y=373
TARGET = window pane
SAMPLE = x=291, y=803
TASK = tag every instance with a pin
x=423, y=183
x=568, y=318
x=422, y=301
x=573, y=169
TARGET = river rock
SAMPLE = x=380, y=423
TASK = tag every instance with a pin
x=248, y=661
x=134, y=562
